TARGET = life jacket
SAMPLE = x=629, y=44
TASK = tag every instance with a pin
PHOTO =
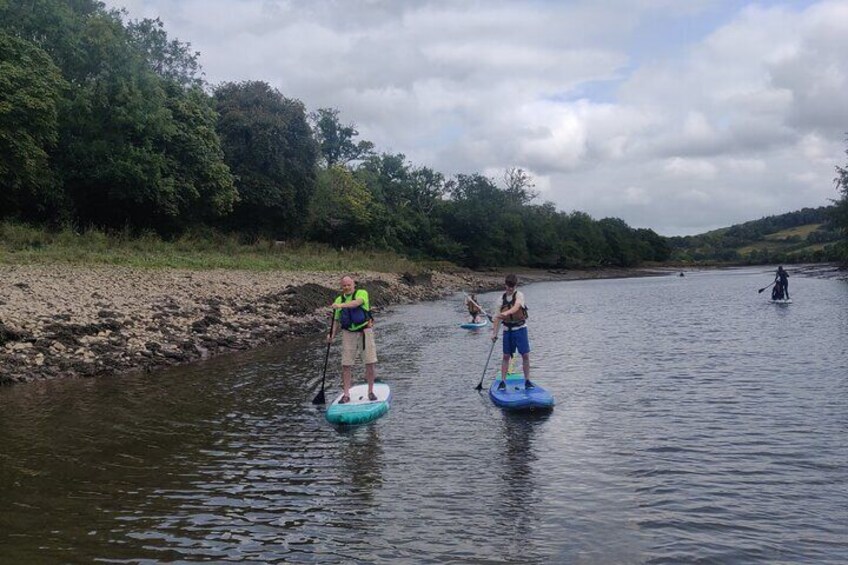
x=354, y=319
x=517, y=319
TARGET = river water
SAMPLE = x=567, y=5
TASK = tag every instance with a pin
x=695, y=421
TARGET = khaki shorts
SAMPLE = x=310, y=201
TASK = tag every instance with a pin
x=352, y=346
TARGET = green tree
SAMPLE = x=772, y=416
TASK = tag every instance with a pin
x=341, y=209
x=169, y=58
x=134, y=147
x=519, y=186
x=840, y=212
x=30, y=89
x=269, y=147
x=336, y=141
x=481, y=220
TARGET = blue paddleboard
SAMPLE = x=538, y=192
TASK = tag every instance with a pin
x=473, y=326
x=515, y=397
x=360, y=410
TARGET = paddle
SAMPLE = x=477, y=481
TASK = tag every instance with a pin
x=765, y=287
x=480, y=384
x=319, y=398
x=480, y=307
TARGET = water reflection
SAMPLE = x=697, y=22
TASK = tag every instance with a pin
x=362, y=459
x=520, y=488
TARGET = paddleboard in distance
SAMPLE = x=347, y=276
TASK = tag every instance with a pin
x=360, y=410
x=782, y=301
x=473, y=326
x=516, y=397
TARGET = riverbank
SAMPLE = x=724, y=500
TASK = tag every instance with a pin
x=71, y=321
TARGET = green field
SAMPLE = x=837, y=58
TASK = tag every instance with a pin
x=798, y=231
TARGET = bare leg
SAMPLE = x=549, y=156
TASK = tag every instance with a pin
x=525, y=363
x=505, y=366
x=370, y=375
x=346, y=378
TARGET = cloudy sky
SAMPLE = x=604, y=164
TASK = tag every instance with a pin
x=680, y=116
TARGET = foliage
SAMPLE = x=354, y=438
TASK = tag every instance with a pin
x=269, y=148
x=799, y=236
x=336, y=141
x=840, y=210
x=194, y=249
x=105, y=123
x=30, y=89
x=341, y=209
x=170, y=59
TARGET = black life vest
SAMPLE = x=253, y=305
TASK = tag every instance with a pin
x=517, y=319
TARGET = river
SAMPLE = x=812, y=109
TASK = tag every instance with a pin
x=695, y=422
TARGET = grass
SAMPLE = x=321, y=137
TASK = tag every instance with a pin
x=799, y=231
x=26, y=245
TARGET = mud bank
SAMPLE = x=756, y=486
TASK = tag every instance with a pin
x=62, y=321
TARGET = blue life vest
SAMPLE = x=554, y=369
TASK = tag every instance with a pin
x=354, y=319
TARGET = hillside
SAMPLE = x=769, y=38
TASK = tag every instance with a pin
x=806, y=235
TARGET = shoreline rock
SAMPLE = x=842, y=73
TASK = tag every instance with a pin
x=67, y=321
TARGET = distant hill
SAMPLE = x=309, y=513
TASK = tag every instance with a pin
x=795, y=237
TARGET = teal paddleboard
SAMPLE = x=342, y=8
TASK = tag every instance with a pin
x=360, y=410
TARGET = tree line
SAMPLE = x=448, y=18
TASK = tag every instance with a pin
x=723, y=245
x=107, y=122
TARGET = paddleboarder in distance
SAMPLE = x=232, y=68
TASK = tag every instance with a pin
x=474, y=309
x=781, y=278
x=353, y=316
x=512, y=311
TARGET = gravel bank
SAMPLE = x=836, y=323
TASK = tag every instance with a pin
x=65, y=321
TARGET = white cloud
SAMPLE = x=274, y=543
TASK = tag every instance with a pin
x=614, y=117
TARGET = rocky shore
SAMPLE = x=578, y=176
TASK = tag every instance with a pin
x=65, y=321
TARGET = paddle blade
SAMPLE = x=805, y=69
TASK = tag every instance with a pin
x=319, y=398
x=762, y=289
x=479, y=386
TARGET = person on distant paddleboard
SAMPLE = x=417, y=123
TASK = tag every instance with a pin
x=474, y=309
x=512, y=311
x=782, y=278
x=353, y=317
x=777, y=291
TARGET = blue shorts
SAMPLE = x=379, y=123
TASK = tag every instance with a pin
x=516, y=339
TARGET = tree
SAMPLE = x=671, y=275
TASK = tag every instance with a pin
x=137, y=149
x=30, y=89
x=519, y=186
x=479, y=218
x=336, y=141
x=840, y=213
x=170, y=59
x=269, y=147
x=341, y=209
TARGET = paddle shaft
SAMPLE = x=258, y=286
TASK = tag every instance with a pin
x=486, y=368
x=319, y=398
x=765, y=287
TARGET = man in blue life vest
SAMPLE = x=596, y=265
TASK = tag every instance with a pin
x=353, y=317
x=512, y=311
